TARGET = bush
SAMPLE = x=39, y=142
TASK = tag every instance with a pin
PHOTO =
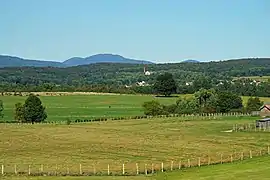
x=153, y=108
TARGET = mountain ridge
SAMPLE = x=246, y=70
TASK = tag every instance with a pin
x=14, y=61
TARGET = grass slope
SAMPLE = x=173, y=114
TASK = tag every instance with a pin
x=87, y=106
x=253, y=169
x=129, y=142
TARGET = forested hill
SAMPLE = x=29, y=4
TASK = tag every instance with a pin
x=11, y=61
x=207, y=74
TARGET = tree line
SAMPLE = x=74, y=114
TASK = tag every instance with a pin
x=122, y=78
x=204, y=101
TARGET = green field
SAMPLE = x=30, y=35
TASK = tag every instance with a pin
x=61, y=108
x=253, y=169
x=257, y=78
x=133, y=141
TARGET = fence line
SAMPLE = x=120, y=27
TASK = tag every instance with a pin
x=126, y=169
x=100, y=119
x=251, y=127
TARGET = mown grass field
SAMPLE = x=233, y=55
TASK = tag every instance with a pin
x=257, y=78
x=132, y=141
x=61, y=108
x=253, y=169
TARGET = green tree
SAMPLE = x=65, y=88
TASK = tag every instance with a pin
x=187, y=106
x=19, y=112
x=33, y=109
x=165, y=84
x=153, y=108
x=1, y=109
x=227, y=101
x=253, y=104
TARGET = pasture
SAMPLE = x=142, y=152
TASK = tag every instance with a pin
x=148, y=142
x=257, y=78
x=61, y=108
x=255, y=169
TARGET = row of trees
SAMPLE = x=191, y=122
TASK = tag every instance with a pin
x=29, y=112
x=109, y=77
x=204, y=101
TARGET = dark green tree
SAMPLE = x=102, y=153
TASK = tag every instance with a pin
x=34, y=111
x=153, y=108
x=227, y=101
x=19, y=112
x=165, y=84
x=1, y=109
x=187, y=106
x=253, y=104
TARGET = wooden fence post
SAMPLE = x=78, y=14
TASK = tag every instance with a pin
x=162, y=167
x=231, y=158
x=250, y=154
x=29, y=169
x=123, y=169
x=80, y=169
x=94, y=166
x=199, y=162
x=137, y=169
x=41, y=168
x=145, y=169
x=108, y=169
x=152, y=168
x=15, y=169
x=180, y=164
x=2, y=169
x=171, y=165
x=221, y=158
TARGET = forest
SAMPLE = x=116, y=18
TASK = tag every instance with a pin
x=124, y=78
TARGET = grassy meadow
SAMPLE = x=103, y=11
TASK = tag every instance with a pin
x=130, y=142
x=61, y=108
x=257, y=78
x=255, y=169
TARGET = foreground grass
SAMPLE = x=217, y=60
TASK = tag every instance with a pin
x=253, y=169
x=61, y=108
x=129, y=142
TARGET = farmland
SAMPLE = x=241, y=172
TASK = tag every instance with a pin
x=152, y=141
x=255, y=169
x=61, y=108
x=257, y=78
x=129, y=142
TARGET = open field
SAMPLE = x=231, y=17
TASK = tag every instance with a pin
x=61, y=108
x=255, y=169
x=116, y=142
x=257, y=78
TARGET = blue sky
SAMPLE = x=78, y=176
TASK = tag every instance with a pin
x=157, y=30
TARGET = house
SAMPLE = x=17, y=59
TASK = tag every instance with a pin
x=263, y=123
x=265, y=110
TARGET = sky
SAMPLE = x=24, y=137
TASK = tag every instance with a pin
x=156, y=30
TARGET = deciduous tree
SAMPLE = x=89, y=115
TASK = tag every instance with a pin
x=34, y=111
x=165, y=84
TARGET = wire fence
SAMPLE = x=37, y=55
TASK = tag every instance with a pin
x=143, y=117
x=126, y=169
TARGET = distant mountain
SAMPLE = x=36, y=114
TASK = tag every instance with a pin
x=11, y=61
x=191, y=61
x=103, y=58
